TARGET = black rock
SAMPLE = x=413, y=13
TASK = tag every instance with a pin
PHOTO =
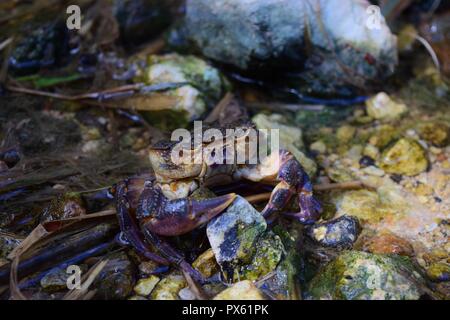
x=46, y=46
x=338, y=233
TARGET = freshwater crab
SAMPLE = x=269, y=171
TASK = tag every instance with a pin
x=159, y=204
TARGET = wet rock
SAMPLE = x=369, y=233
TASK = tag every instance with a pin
x=137, y=298
x=186, y=294
x=141, y=20
x=439, y=272
x=168, y=288
x=363, y=276
x=437, y=134
x=294, y=36
x=244, y=290
x=206, y=264
x=388, y=243
x=116, y=280
x=345, y=133
x=69, y=205
x=268, y=254
x=43, y=47
x=7, y=243
x=145, y=286
x=405, y=157
x=197, y=86
x=55, y=280
x=338, y=233
x=291, y=138
x=241, y=245
x=318, y=146
x=382, y=107
x=371, y=151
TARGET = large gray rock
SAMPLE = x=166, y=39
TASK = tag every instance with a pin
x=328, y=42
x=243, y=247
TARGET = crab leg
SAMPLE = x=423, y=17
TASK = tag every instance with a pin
x=291, y=179
x=129, y=228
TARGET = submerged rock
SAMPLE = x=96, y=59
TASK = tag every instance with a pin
x=7, y=243
x=45, y=46
x=244, y=290
x=404, y=157
x=436, y=133
x=338, y=233
x=66, y=206
x=145, y=286
x=116, y=280
x=388, y=243
x=206, y=264
x=242, y=247
x=439, y=272
x=363, y=276
x=169, y=287
x=195, y=86
x=55, y=280
x=307, y=39
x=382, y=107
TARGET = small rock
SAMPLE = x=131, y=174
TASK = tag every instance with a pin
x=437, y=134
x=371, y=151
x=345, y=133
x=206, y=264
x=66, y=206
x=338, y=233
x=55, y=280
x=243, y=290
x=382, y=107
x=373, y=171
x=405, y=157
x=116, y=280
x=439, y=272
x=319, y=147
x=186, y=294
x=168, y=288
x=7, y=243
x=145, y=286
x=358, y=275
x=137, y=298
x=366, y=161
x=388, y=243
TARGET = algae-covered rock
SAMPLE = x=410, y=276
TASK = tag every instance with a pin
x=241, y=245
x=206, y=264
x=437, y=134
x=345, y=133
x=291, y=138
x=355, y=275
x=388, y=243
x=145, y=286
x=195, y=86
x=382, y=107
x=439, y=272
x=168, y=288
x=55, y=280
x=404, y=157
x=338, y=233
x=116, y=280
x=243, y=290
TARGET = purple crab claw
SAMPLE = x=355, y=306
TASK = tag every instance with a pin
x=166, y=217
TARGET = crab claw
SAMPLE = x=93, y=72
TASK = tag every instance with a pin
x=166, y=217
x=310, y=208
